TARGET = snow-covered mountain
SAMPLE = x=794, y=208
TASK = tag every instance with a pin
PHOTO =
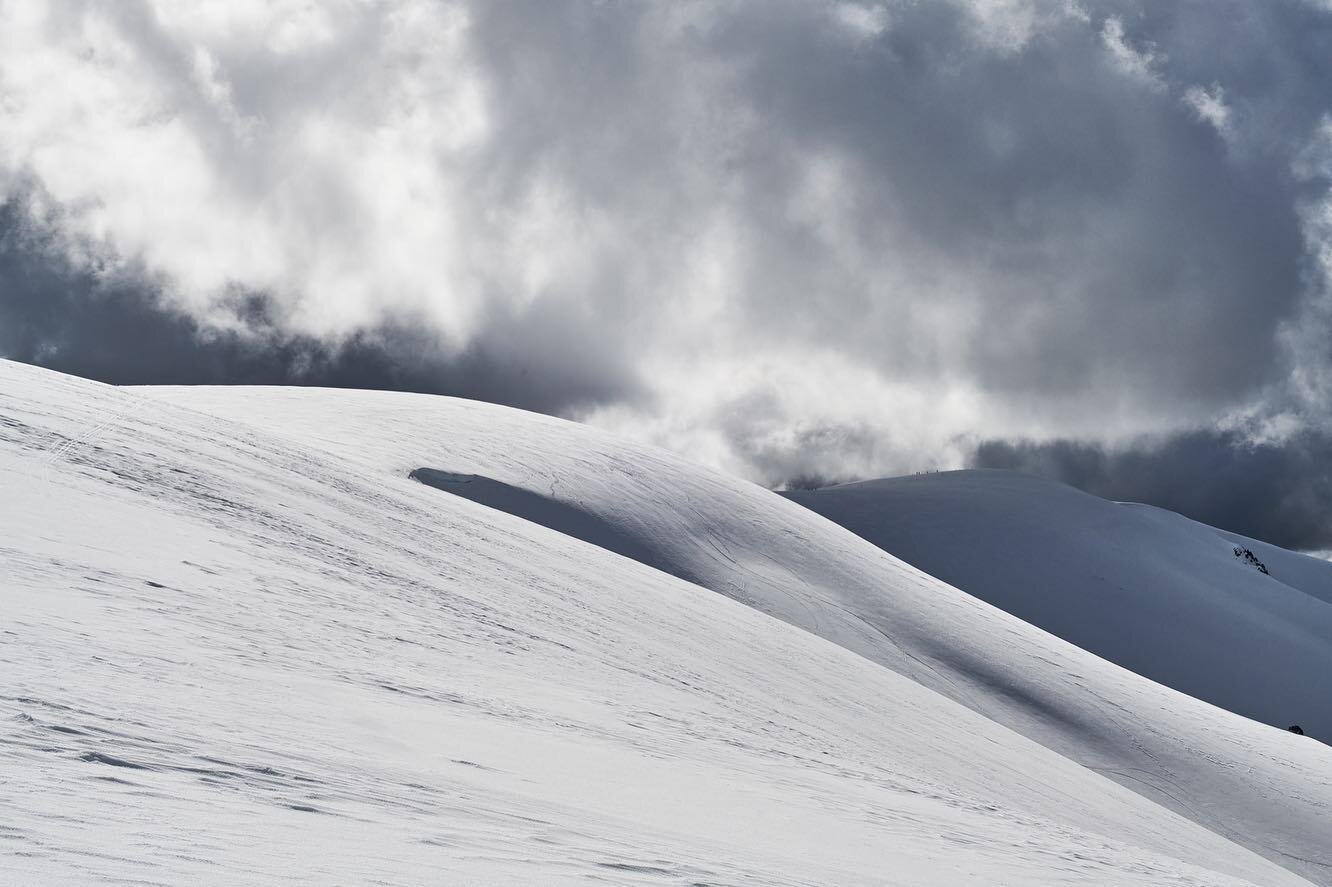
x=1218, y=616
x=746, y=543
x=242, y=644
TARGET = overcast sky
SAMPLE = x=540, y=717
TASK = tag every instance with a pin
x=797, y=240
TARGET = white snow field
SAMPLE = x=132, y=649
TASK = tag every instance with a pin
x=240, y=645
x=1261, y=787
x=1151, y=590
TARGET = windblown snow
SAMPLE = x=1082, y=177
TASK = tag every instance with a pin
x=242, y=644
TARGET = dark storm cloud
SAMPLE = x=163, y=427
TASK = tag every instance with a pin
x=1070, y=225
x=114, y=328
x=1037, y=221
x=1277, y=492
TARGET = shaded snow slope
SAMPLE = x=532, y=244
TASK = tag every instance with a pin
x=1311, y=575
x=565, y=517
x=232, y=657
x=1160, y=594
x=1254, y=784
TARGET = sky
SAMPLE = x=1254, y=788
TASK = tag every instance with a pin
x=800, y=241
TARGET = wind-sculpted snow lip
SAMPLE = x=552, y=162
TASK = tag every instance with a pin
x=1262, y=788
x=546, y=510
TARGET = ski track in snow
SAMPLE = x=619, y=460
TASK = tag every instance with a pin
x=236, y=654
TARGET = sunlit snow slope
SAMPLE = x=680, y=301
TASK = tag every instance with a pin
x=231, y=657
x=1258, y=786
x=1153, y=591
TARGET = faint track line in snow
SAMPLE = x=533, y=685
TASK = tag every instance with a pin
x=1147, y=782
x=93, y=432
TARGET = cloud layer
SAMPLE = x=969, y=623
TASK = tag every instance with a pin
x=1280, y=493
x=793, y=238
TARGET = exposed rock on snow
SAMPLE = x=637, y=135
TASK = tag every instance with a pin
x=1251, y=559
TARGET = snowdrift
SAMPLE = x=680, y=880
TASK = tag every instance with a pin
x=1224, y=618
x=1253, y=784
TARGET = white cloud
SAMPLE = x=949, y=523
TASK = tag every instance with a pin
x=862, y=21
x=1135, y=61
x=1210, y=105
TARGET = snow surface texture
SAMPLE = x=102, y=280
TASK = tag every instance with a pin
x=1151, y=590
x=1261, y=787
x=248, y=653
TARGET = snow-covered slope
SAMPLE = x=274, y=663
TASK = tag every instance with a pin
x=231, y=657
x=1160, y=594
x=1311, y=575
x=1258, y=786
